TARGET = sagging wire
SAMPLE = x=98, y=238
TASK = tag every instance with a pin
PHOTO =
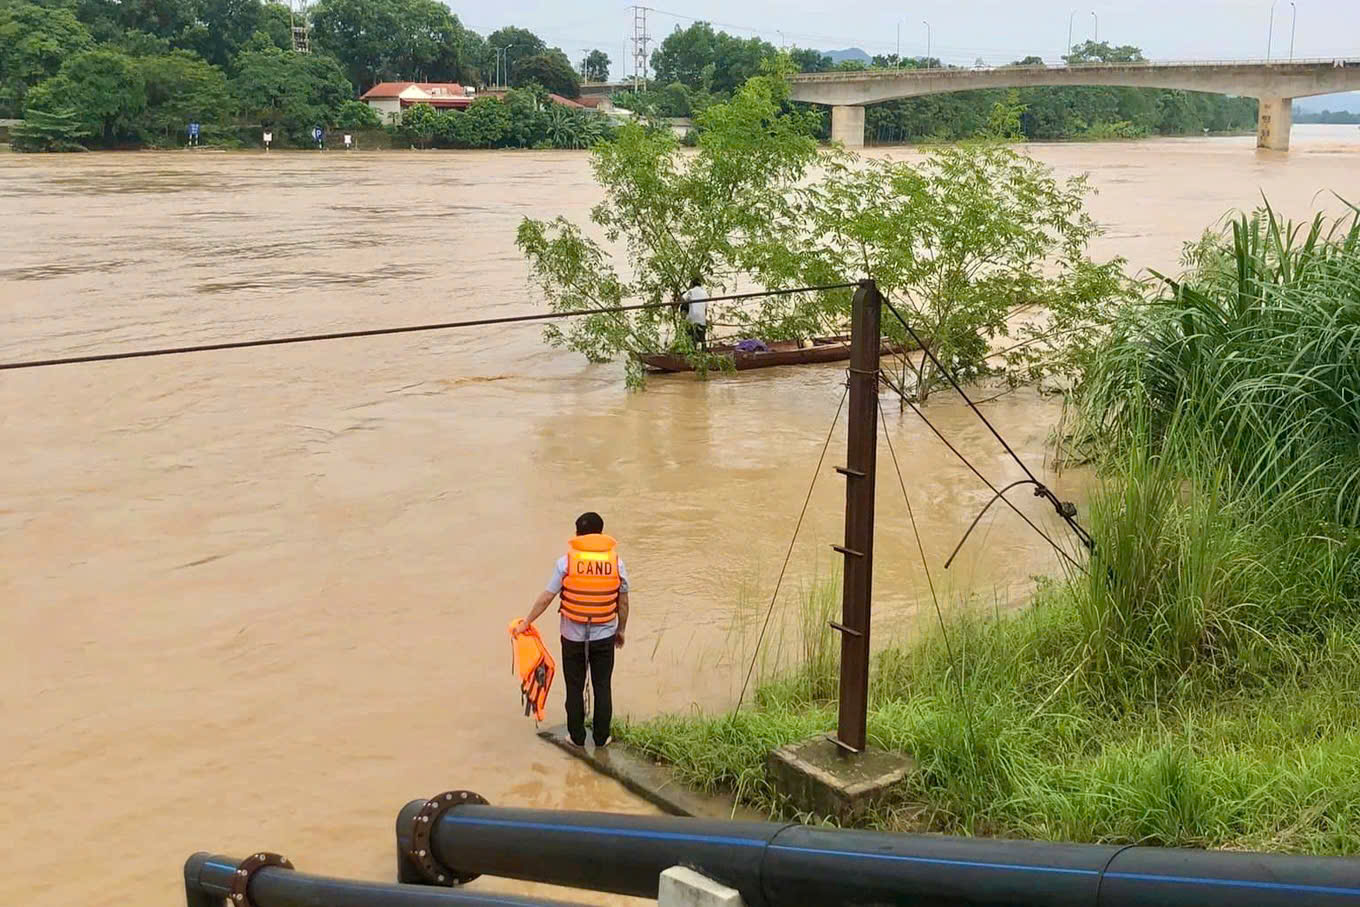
x=1065, y=509
x=405, y=329
x=966, y=462
x=816, y=473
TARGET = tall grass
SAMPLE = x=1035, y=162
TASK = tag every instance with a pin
x=1201, y=685
x=1256, y=348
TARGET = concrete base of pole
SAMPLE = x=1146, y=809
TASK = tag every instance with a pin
x=819, y=777
x=681, y=887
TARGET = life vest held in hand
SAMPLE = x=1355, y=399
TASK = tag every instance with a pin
x=590, y=589
x=534, y=667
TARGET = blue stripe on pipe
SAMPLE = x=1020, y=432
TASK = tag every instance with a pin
x=219, y=865
x=1236, y=883
x=934, y=861
x=903, y=858
x=619, y=832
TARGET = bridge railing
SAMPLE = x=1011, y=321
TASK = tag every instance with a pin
x=887, y=73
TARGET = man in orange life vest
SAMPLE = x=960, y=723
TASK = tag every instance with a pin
x=593, y=584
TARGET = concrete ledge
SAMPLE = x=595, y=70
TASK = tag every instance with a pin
x=652, y=781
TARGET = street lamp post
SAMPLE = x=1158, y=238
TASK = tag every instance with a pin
x=1097, y=20
x=502, y=64
x=927, y=25
x=1068, y=51
x=1293, y=23
x=1270, y=33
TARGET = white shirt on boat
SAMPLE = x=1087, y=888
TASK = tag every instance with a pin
x=697, y=297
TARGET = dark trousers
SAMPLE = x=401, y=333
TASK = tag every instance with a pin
x=574, y=673
x=698, y=334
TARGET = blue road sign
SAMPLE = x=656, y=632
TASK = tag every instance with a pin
x=316, y=133
x=193, y=129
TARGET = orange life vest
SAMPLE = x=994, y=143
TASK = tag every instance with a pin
x=590, y=589
x=534, y=667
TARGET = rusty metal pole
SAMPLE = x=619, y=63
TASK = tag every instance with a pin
x=860, y=459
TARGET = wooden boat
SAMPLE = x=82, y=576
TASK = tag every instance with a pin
x=780, y=352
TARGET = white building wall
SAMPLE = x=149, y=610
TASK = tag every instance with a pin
x=387, y=108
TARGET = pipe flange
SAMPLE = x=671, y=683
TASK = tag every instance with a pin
x=239, y=892
x=422, y=828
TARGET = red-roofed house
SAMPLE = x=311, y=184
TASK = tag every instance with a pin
x=391, y=98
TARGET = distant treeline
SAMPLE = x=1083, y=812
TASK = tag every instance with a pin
x=114, y=73
x=1326, y=116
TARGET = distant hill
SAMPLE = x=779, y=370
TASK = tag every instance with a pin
x=1349, y=102
x=850, y=53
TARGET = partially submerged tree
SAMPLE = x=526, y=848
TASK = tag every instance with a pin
x=982, y=247
x=676, y=215
x=976, y=243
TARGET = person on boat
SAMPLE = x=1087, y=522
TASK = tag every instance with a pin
x=593, y=585
x=696, y=312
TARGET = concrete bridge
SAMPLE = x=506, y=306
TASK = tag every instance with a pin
x=1274, y=84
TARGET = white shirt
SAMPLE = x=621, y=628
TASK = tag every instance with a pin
x=574, y=629
x=697, y=297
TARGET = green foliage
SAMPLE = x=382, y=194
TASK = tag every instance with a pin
x=180, y=88
x=485, y=124
x=276, y=25
x=41, y=130
x=1255, y=347
x=702, y=59
x=1102, y=52
x=810, y=60
x=597, y=66
x=290, y=91
x=1061, y=113
x=1003, y=124
x=384, y=40
x=357, y=115
x=517, y=44
x=34, y=42
x=677, y=215
x=964, y=242
x=420, y=122
x=169, y=19
x=1112, y=131
x=674, y=100
x=226, y=26
x=528, y=116
x=552, y=70
x=104, y=87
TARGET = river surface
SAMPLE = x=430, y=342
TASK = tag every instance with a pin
x=258, y=599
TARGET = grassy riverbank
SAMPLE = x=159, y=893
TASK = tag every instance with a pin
x=1201, y=686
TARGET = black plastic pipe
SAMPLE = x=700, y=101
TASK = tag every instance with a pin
x=773, y=864
x=208, y=877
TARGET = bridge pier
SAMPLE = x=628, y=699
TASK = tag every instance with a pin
x=847, y=126
x=1273, y=122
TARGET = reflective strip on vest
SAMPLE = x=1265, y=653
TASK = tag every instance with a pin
x=590, y=588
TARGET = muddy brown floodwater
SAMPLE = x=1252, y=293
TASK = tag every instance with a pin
x=258, y=599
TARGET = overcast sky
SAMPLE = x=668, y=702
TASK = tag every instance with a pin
x=998, y=31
